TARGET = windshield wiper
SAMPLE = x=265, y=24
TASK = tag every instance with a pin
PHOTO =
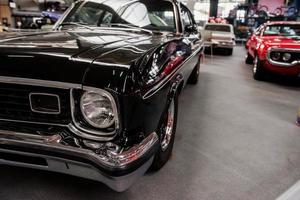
x=131, y=27
x=75, y=24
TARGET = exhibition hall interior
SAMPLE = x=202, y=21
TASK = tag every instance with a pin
x=150, y=99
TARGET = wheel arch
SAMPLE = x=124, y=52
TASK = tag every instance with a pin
x=177, y=85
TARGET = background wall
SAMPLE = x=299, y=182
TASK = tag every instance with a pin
x=5, y=11
x=272, y=5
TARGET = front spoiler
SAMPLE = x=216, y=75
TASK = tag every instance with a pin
x=46, y=153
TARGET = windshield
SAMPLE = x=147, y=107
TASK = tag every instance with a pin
x=221, y=28
x=283, y=30
x=153, y=15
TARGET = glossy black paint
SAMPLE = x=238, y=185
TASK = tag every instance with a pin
x=123, y=62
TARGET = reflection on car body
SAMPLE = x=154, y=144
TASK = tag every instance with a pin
x=274, y=47
x=103, y=88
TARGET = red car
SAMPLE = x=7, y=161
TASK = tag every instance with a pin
x=275, y=47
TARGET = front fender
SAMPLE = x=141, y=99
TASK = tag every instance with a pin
x=262, y=50
x=162, y=65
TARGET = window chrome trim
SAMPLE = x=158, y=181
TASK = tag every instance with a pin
x=178, y=22
x=282, y=64
x=176, y=10
x=45, y=112
x=89, y=133
x=38, y=82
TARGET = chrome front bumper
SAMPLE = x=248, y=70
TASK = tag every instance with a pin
x=47, y=153
x=222, y=44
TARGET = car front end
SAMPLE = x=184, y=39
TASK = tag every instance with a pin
x=96, y=99
x=223, y=44
x=220, y=35
x=284, y=61
x=39, y=130
x=65, y=109
x=223, y=40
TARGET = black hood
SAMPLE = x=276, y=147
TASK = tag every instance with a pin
x=67, y=56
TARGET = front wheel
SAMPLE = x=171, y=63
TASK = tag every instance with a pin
x=194, y=77
x=230, y=52
x=249, y=59
x=167, y=136
x=258, y=71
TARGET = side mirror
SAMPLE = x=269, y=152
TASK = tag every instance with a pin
x=251, y=31
x=191, y=29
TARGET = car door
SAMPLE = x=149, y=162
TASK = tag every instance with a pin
x=191, y=37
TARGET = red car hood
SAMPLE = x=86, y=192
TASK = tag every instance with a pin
x=282, y=42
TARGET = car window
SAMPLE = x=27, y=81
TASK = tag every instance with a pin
x=258, y=31
x=162, y=19
x=221, y=28
x=186, y=17
x=88, y=13
x=107, y=19
x=145, y=14
x=283, y=30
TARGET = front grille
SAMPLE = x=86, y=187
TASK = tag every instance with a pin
x=295, y=55
x=15, y=104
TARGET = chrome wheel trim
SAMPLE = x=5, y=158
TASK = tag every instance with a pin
x=168, y=129
x=255, y=65
x=198, y=69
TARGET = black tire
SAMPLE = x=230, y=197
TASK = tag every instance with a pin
x=229, y=52
x=164, y=153
x=249, y=59
x=258, y=71
x=194, y=77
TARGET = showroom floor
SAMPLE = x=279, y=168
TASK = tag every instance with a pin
x=236, y=139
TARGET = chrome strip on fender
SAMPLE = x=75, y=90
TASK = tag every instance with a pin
x=38, y=82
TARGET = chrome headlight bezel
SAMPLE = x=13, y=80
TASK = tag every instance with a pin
x=113, y=106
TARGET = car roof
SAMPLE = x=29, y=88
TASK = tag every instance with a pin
x=116, y=4
x=283, y=22
x=120, y=2
x=218, y=24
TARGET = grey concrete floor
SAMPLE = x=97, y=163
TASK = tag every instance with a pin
x=236, y=139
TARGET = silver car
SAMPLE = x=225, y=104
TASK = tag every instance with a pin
x=219, y=36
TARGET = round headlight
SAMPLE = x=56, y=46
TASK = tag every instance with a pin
x=98, y=109
x=286, y=57
x=275, y=56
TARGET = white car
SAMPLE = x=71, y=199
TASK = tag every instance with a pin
x=219, y=36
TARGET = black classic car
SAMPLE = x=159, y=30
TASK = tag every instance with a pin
x=97, y=97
